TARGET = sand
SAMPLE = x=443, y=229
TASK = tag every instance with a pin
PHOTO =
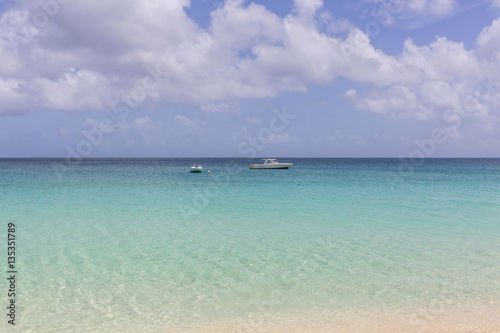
x=479, y=317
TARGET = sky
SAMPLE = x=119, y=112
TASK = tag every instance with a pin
x=408, y=79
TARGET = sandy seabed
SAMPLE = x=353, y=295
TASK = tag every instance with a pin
x=460, y=318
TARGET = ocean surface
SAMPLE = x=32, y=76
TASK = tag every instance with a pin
x=143, y=245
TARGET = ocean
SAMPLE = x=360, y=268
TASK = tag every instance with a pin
x=143, y=245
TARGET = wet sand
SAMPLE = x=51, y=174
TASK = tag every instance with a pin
x=434, y=317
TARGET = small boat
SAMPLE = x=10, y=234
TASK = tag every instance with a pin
x=196, y=168
x=271, y=163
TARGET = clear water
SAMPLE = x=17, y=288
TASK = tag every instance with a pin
x=143, y=245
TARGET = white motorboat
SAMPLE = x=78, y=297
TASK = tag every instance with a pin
x=271, y=163
x=196, y=168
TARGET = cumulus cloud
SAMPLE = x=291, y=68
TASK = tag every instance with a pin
x=90, y=123
x=280, y=138
x=91, y=55
x=434, y=7
x=306, y=9
x=338, y=136
x=236, y=27
x=253, y=120
x=147, y=131
x=398, y=101
x=188, y=123
x=219, y=107
x=488, y=47
x=65, y=131
x=432, y=80
x=143, y=124
x=403, y=9
x=74, y=91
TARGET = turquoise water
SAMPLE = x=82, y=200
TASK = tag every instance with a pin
x=144, y=245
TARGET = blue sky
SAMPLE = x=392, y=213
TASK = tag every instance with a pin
x=213, y=78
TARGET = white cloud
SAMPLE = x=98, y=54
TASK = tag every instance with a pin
x=334, y=26
x=280, y=138
x=488, y=47
x=425, y=82
x=441, y=7
x=246, y=52
x=74, y=91
x=219, y=107
x=147, y=131
x=416, y=5
x=122, y=127
x=65, y=131
x=188, y=123
x=398, y=101
x=15, y=97
x=307, y=8
x=350, y=93
x=236, y=27
x=90, y=123
x=86, y=58
x=143, y=124
x=338, y=136
x=253, y=120
x=356, y=139
x=441, y=60
x=434, y=7
x=403, y=8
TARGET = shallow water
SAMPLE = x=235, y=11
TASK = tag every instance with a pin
x=142, y=244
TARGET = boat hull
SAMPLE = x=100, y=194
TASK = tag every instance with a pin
x=271, y=166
